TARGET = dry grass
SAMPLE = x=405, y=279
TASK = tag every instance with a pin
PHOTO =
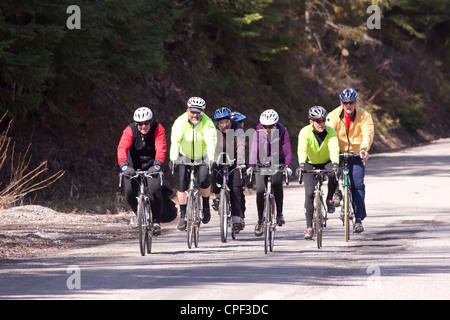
x=22, y=179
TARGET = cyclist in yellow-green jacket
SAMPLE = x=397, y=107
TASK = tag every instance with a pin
x=318, y=148
x=193, y=139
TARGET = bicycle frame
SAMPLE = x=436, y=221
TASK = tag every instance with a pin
x=144, y=214
x=319, y=218
x=270, y=222
x=224, y=204
x=347, y=207
x=194, y=207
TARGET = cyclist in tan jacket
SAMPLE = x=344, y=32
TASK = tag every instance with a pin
x=355, y=130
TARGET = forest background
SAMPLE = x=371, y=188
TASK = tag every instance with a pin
x=69, y=93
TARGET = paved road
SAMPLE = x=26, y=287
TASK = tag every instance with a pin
x=403, y=254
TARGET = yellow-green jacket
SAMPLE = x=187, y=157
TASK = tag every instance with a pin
x=308, y=146
x=194, y=142
x=360, y=135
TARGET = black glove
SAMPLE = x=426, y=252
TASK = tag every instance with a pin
x=335, y=168
x=129, y=171
x=155, y=168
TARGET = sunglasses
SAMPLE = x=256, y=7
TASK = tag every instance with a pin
x=269, y=127
x=140, y=124
x=320, y=121
x=196, y=112
x=348, y=103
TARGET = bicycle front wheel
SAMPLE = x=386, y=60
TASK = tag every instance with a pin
x=149, y=228
x=347, y=208
x=267, y=232
x=190, y=220
x=197, y=222
x=223, y=215
x=272, y=224
x=318, y=219
x=141, y=224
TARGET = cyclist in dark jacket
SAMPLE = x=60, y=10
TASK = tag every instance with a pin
x=230, y=139
x=143, y=146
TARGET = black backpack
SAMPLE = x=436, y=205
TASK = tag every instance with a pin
x=169, y=212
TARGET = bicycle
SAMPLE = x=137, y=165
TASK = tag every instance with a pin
x=224, y=199
x=347, y=208
x=144, y=214
x=194, y=205
x=270, y=219
x=320, y=214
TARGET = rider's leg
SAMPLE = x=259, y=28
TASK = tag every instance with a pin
x=277, y=186
x=236, y=195
x=181, y=194
x=205, y=190
x=308, y=179
x=332, y=185
x=357, y=172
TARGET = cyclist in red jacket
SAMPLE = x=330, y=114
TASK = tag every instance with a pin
x=143, y=146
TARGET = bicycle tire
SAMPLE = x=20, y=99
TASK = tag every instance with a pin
x=346, y=212
x=272, y=224
x=223, y=215
x=267, y=214
x=149, y=229
x=141, y=224
x=190, y=221
x=318, y=219
x=197, y=222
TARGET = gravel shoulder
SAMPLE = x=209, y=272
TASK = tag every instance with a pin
x=32, y=230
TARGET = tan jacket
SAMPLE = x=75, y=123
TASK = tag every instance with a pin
x=361, y=133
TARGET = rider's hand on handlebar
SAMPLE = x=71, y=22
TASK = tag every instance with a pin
x=288, y=171
x=301, y=167
x=364, y=155
x=335, y=168
x=129, y=171
x=154, y=169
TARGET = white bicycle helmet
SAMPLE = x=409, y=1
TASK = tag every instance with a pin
x=143, y=114
x=196, y=103
x=317, y=112
x=269, y=117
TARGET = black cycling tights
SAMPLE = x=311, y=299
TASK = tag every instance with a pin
x=277, y=188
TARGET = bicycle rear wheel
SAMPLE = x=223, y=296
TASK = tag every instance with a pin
x=141, y=224
x=318, y=219
x=223, y=215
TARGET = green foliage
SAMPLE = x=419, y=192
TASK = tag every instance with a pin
x=255, y=54
x=39, y=55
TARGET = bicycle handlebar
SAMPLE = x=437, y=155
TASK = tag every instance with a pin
x=351, y=155
x=228, y=162
x=140, y=172
x=316, y=171
x=274, y=171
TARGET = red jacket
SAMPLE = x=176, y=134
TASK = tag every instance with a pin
x=139, y=152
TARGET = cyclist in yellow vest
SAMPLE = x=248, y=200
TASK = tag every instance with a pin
x=318, y=148
x=193, y=139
